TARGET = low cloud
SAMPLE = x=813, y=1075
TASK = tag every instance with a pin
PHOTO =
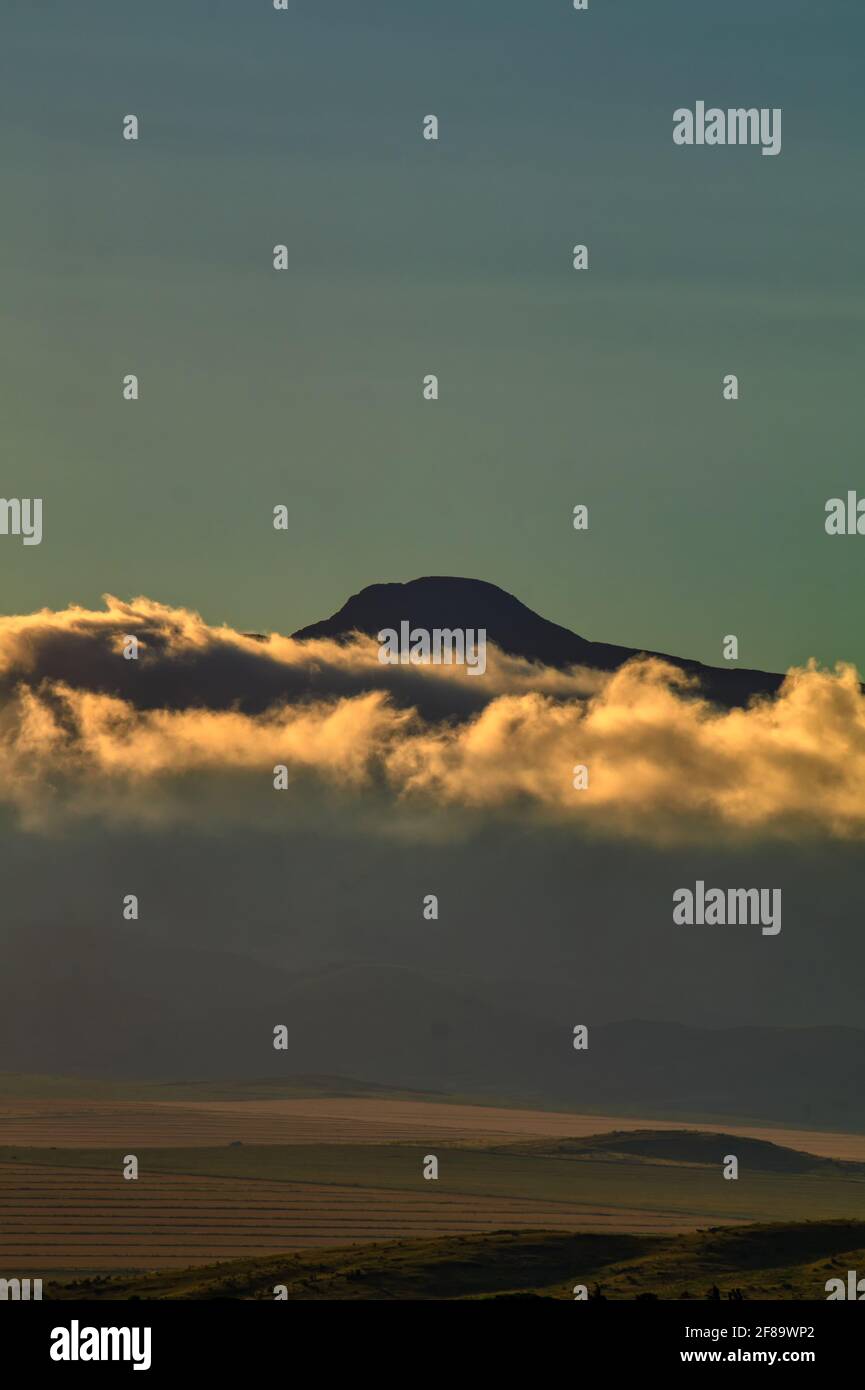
x=195, y=727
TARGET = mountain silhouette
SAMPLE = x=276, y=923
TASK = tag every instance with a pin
x=446, y=602
x=145, y=1006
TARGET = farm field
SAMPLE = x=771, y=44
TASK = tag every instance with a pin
x=72, y=1210
x=83, y=1219
x=80, y=1122
x=246, y=1172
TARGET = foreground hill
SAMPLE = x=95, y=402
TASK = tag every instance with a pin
x=758, y=1261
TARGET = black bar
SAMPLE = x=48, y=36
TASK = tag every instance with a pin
x=231, y=1338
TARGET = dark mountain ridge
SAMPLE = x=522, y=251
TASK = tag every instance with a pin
x=447, y=602
x=138, y=1007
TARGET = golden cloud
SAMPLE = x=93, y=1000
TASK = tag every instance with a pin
x=663, y=763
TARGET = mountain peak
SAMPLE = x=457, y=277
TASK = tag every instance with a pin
x=449, y=601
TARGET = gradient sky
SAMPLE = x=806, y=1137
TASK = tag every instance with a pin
x=408, y=257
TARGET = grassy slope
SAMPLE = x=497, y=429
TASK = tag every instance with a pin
x=763, y=1261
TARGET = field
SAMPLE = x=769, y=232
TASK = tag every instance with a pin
x=78, y=1122
x=80, y=1218
x=65, y=1210
x=325, y=1168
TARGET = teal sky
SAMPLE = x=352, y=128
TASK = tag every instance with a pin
x=408, y=257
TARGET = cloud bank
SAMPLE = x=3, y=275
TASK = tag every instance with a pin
x=196, y=726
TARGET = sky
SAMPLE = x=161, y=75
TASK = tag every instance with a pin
x=408, y=257
x=303, y=388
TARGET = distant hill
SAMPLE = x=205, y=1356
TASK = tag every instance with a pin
x=129, y=1005
x=447, y=602
x=111, y=1003
x=689, y=1147
x=782, y=1261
